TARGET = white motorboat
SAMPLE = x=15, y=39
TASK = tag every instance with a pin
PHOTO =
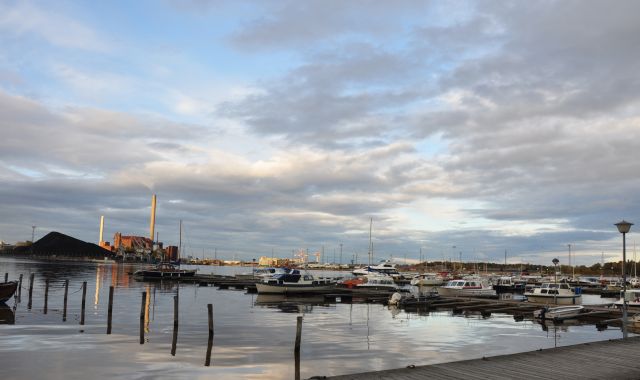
x=385, y=267
x=558, y=312
x=466, y=288
x=428, y=279
x=558, y=293
x=374, y=281
x=294, y=282
x=261, y=273
x=633, y=300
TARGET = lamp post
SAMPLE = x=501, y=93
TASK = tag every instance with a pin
x=555, y=270
x=623, y=228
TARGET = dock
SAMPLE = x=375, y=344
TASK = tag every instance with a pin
x=613, y=359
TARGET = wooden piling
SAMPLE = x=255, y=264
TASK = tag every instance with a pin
x=142, y=306
x=6, y=277
x=30, y=289
x=110, y=312
x=175, y=326
x=20, y=287
x=298, y=335
x=46, y=294
x=207, y=361
x=84, y=297
x=66, y=292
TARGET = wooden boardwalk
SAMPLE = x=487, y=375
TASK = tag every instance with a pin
x=614, y=359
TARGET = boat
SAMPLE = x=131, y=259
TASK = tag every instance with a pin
x=558, y=293
x=428, y=279
x=384, y=267
x=466, y=288
x=7, y=289
x=508, y=284
x=412, y=300
x=563, y=312
x=294, y=282
x=260, y=273
x=633, y=300
x=164, y=271
x=375, y=281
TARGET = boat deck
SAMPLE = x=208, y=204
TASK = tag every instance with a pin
x=614, y=359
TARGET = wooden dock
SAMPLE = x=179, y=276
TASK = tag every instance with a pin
x=614, y=359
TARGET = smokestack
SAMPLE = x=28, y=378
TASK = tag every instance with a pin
x=101, y=228
x=152, y=227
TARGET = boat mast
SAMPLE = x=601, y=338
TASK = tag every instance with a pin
x=180, y=242
x=370, y=242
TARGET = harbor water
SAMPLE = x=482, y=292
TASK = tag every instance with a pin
x=254, y=334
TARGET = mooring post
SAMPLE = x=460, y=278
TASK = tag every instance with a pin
x=66, y=292
x=298, y=335
x=20, y=287
x=210, y=311
x=84, y=297
x=30, y=289
x=110, y=312
x=6, y=277
x=46, y=294
x=207, y=361
x=175, y=326
x=142, y=307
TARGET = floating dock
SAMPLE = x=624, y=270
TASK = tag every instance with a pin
x=614, y=359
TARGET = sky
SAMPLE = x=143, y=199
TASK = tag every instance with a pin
x=459, y=129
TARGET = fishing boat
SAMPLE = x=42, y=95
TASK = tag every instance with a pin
x=466, y=288
x=294, y=282
x=164, y=271
x=558, y=312
x=558, y=293
x=7, y=289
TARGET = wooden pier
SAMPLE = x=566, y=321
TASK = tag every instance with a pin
x=614, y=359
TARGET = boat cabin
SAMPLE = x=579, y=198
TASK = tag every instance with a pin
x=552, y=288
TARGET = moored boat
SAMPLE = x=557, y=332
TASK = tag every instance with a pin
x=7, y=289
x=466, y=288
x=164, y=271
x=428, y=279
x=294, y=282
x=558, y=293
x=558, y=312
x=377, y=282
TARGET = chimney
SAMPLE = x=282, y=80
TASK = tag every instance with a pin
x=152, y=227
x=101, y=228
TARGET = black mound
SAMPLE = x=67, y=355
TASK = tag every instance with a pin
x=55, y=243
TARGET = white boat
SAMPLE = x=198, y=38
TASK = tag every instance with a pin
x=261, y=273
x=294, y=282
x=558, y=312
x=633, y=299
x=385, y=267
x=466, y=288
x=374, y=281
x=428, y=279
x=558, y=293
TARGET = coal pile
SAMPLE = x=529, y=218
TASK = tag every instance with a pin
x=55, y=243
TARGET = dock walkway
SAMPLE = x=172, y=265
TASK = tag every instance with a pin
x=614, y=359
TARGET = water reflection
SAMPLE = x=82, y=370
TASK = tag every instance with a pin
x=7, y=316
x=291, y=304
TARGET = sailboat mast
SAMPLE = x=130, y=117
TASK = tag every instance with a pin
x=370, y=242
x=180, y=242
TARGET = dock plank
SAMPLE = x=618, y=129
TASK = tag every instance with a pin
x=613, y=359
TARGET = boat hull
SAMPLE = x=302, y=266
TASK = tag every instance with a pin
x=455, y=292
x=156, y=275
x=563, y=312
x=7, y=289
x=293, y=288
x=554, y=299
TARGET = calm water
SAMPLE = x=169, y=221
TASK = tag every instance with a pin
x=254, y=335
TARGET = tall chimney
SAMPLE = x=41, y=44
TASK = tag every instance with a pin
x=101, y=228
x=152, y=227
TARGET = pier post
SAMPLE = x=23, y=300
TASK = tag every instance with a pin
x=6, y=277
x=30, y=289
x=110, y=312
x=20, y=287
x=46, y=294
x=298, y=335
x=66, y=292
x=84, y=297
x=207, y=361
x=142, y=305
x=175, y=326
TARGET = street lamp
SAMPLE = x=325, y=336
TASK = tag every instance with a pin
x=623, y=228
x=555, y=271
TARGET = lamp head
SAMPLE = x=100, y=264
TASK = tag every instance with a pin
x=624, y=226
x=555, y=261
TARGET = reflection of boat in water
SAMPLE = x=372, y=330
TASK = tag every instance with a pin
x=290, y=304
x=558, y=312
x=7, y=316
x=409, y=300
x=295, y=282
x=164, y=271
x=7, y=289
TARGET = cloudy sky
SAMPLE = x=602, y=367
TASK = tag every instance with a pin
x=459, y=128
